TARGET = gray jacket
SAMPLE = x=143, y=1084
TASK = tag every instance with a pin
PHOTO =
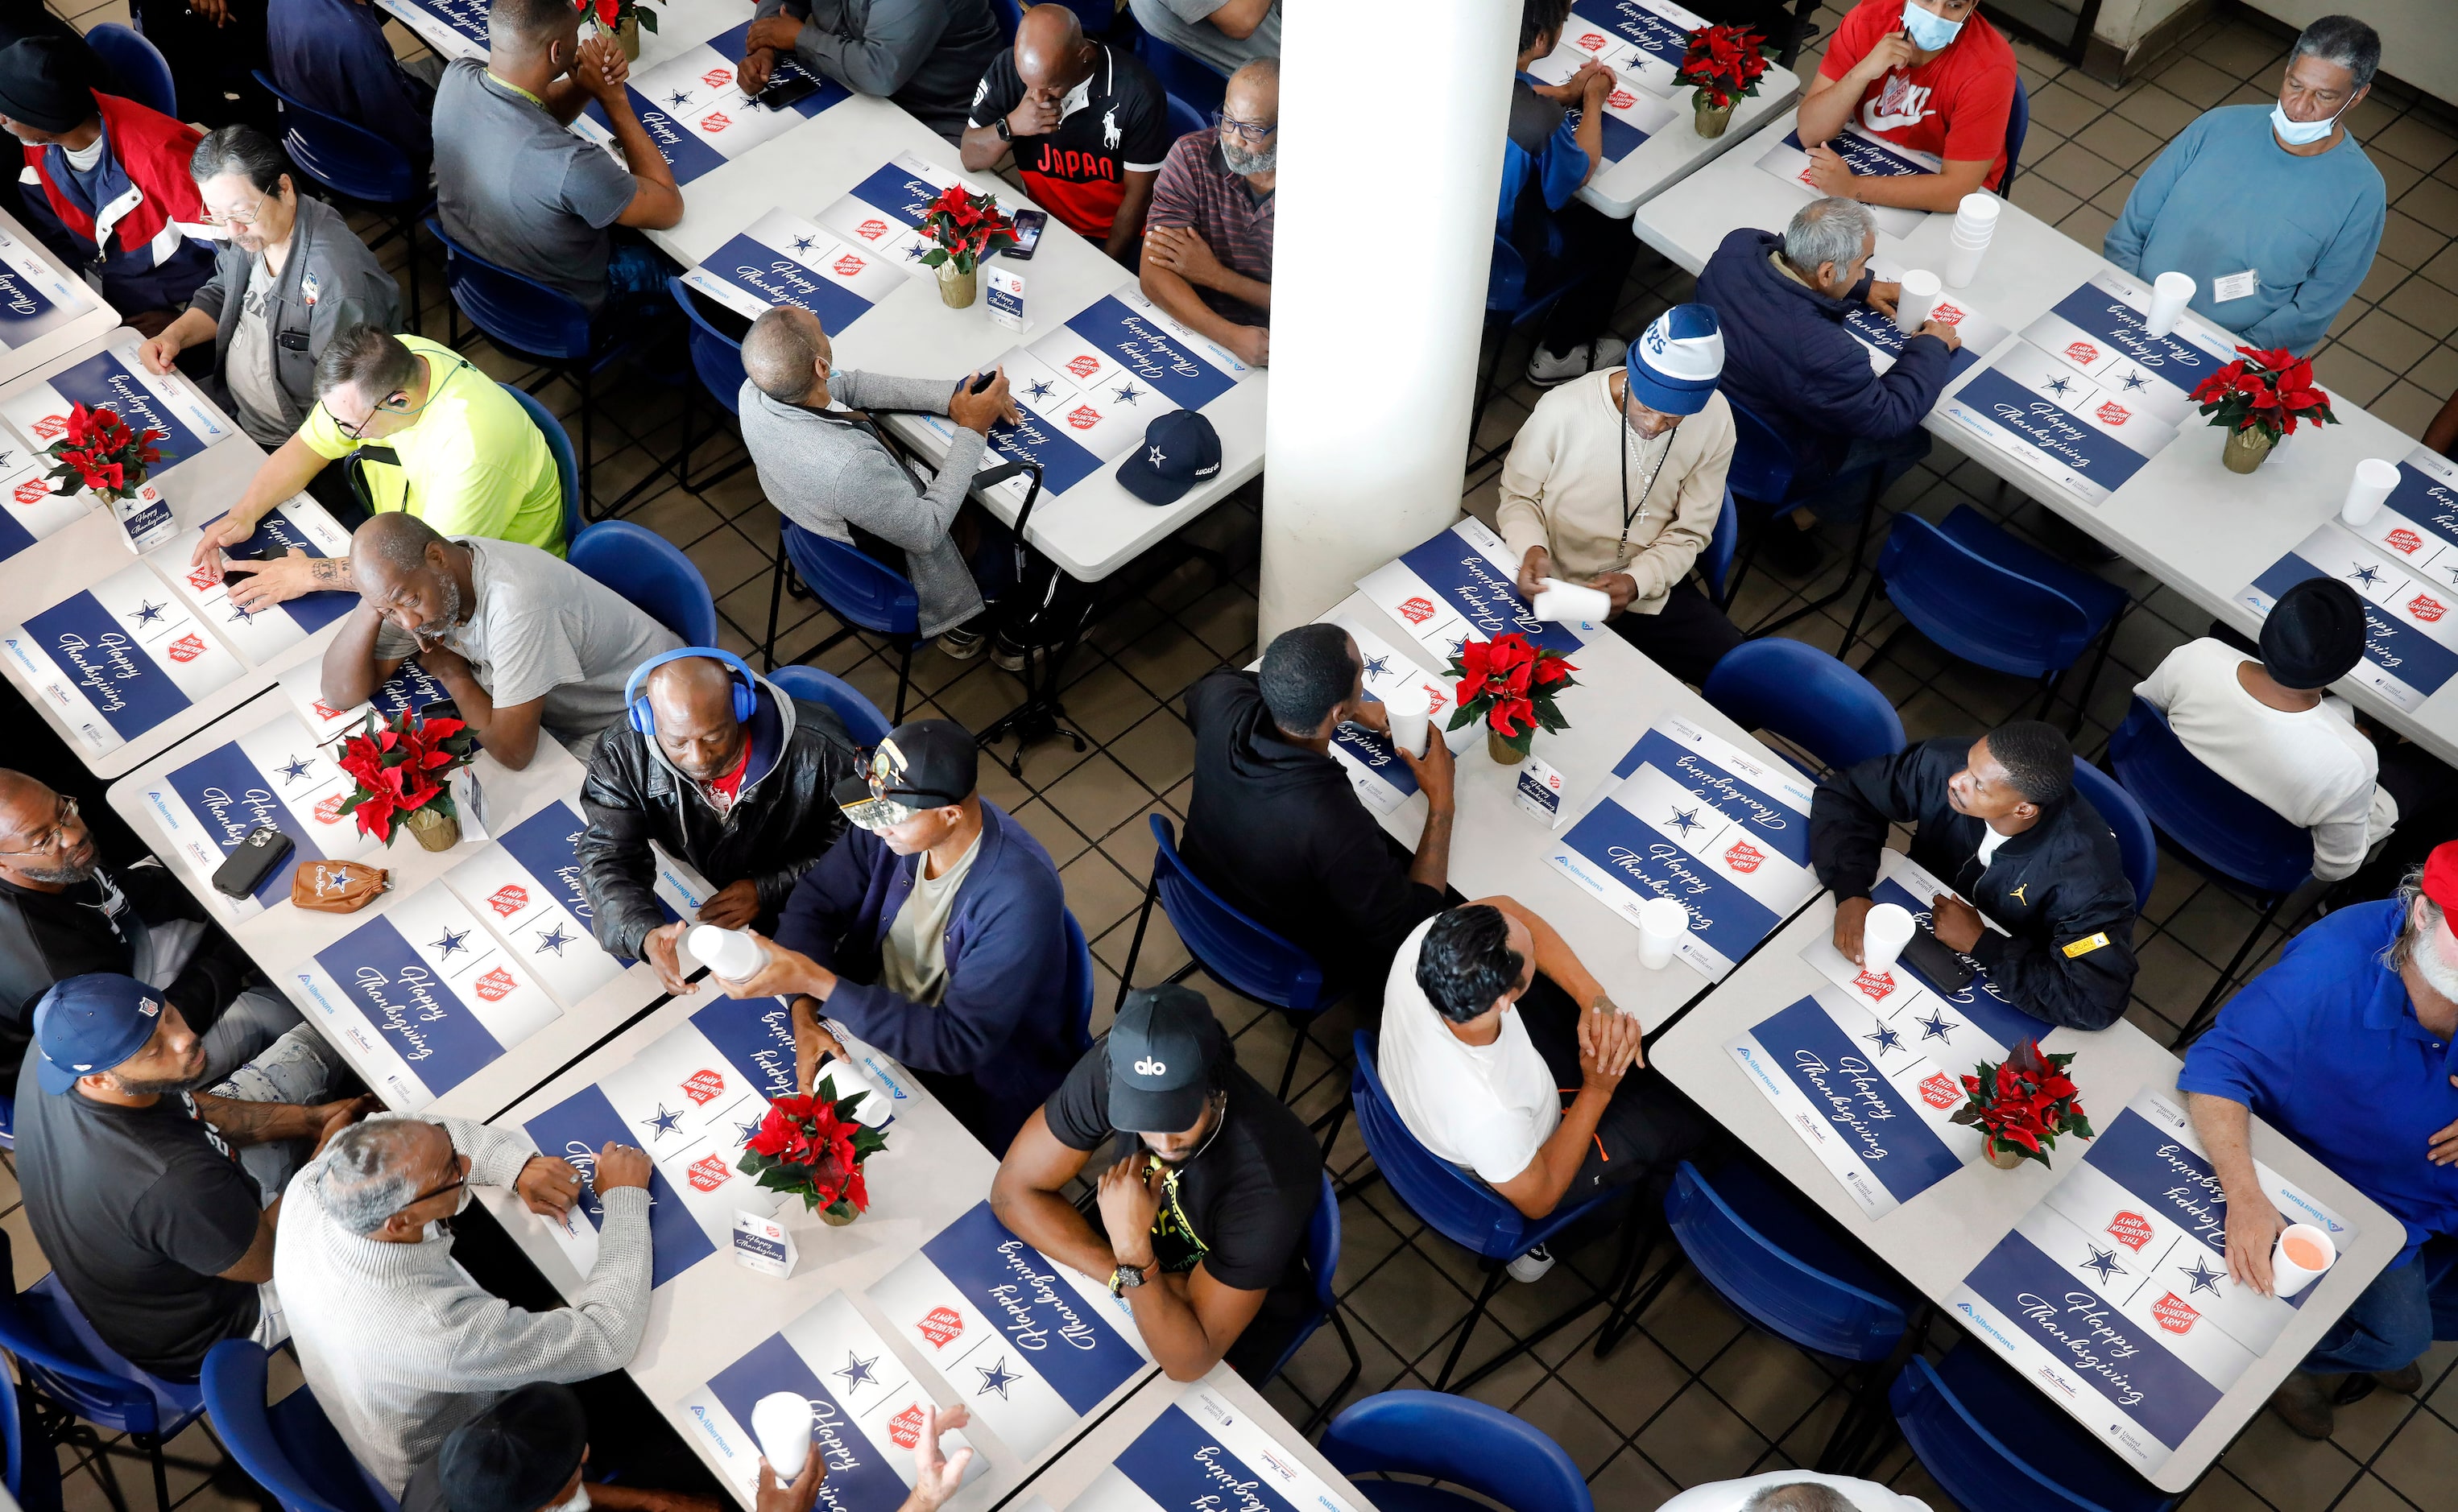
x=824, y=471
x=350, y=287
x=926, y=55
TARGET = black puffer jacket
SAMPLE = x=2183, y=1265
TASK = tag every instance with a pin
x=781, y=821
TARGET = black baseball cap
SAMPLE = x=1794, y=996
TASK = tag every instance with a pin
x=1161, y=1051
x=923, y=764
x=518, y=1455
x=1179, y=450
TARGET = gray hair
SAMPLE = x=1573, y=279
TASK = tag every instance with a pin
x=1830, y=230
x=2410, y=933
x=780, y=354
x=241, y=150
x=364, y=1176
x=2342, y=40
x=365, y=358
x=1799, y=1496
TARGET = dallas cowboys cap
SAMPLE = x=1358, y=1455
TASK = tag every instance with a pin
x=1161, y=1049
x=1181, y=449
x=1675, y=362
x=518, y=1455
x=91, y=1024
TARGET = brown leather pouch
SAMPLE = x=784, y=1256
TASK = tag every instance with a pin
x=337, y=887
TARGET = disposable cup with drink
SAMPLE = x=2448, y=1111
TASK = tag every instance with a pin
x=1661, y=924
x=1919, y=293
x=2375, y=481
x=730, y=953
x=2170, y=294
x=1883, y=933
x=2304, y=1252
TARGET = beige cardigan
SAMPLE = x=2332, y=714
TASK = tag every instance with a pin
x=1561, y=490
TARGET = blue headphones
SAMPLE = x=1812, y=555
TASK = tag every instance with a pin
x=745, y=700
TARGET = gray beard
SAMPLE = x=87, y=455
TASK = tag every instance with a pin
x=2437, y=973
x=1246, y=163
x=62, y=875
x=441, y=625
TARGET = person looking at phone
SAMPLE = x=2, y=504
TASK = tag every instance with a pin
x=1998, y=820
x=1208, y=239
x=1932, y=76
x=2345, y=1048
x=926, y=55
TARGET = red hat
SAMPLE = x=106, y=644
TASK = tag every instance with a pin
x=2441, y=876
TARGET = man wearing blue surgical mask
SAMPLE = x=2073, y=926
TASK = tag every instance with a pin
x=1930, y=75
x=2274, y=211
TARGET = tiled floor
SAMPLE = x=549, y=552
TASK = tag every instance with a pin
x=1692, y=1396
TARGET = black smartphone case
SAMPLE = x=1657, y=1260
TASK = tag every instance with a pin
x=260, y=851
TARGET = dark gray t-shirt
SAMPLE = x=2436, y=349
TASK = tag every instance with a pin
x=519, y=190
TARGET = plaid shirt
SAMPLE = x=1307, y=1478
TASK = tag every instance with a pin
x=1197, y=189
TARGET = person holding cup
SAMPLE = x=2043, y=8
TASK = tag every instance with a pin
x=2345, y=1048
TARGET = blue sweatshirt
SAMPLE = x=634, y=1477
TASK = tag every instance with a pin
x=2226, y=198
x=333, y=57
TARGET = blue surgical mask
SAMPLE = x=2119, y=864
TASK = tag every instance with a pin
x=1929, y=32
x=2299, y=133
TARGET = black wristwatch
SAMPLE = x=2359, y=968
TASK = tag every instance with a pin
x=1126, y=1278
x=1000, y=126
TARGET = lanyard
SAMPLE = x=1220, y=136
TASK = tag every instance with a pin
x=1629, y=515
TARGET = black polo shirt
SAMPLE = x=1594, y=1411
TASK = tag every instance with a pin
x=1115, y=123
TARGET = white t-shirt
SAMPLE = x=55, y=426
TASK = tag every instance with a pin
x=913, y=958
x=1990, y=841
x=1729, y=1496
x=1487, y=1107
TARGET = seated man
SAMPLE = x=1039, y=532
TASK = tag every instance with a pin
x=521, y=641
x=332, y=55
x=1228, y=34
x=2343, y=1048
x=2267, y=728
x=1932, y=76
x=1780, y=302
x=63, y=915
x=1206, y=1187
x=1489, y=1025
x=417, y=427
x=1208, y=241
x=1995, y=818
x=1562, y=239
x=519, y=190
x=292, y=276
x=829, y=470
x=105, y=181
x=742, y=801
x=1617, y=482
x=935, y=930
x=400, y=1346
x=926, y=55
x=2275, y=214
x=1274, y=826
x=1088, y=123
x=1793, y=1491
x=163, y=1241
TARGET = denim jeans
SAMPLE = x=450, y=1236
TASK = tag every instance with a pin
x=2392, y=1323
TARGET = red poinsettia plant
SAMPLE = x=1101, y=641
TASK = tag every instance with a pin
x=814, y=1147
x=101, y=454
x=2270, y=390
x=613, y=14
x=2023, y=1103
x=401, y=768
x=1723, y=64
x=1512, y=686
x=964, y=227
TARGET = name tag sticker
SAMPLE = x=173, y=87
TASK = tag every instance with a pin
x=1538, y=792
x=2085, y=945
x=2235, y=285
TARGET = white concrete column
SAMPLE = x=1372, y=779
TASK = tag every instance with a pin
x=1390, y=166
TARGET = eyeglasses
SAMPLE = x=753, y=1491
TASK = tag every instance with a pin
x=459, y=1181
x=242, y=223
x=51, y=838
x=1249, y=132
x=396, y=403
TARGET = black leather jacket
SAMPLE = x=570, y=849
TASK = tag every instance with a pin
x=781, y=821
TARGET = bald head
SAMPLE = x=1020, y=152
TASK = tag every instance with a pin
x=691, y=702
x=1050, y=54
x=786, y=356
x=409, y=574
x=390, y=543
x=41, y=845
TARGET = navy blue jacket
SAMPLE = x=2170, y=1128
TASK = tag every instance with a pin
x=1004, y=1034
x=331, y=55
x=1789, y=358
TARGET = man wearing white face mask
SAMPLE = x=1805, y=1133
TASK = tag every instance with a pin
x=2275, y=214
x=1932, y=76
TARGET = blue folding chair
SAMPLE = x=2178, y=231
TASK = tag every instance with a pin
x=862, y=718
x=2136, y=843
x=8, y=1122
x=290, y=1448
x=1474, y=1216
x=1716, y=563
x=1238, y=953
x=1767, y=475
x=650, y=571
x=1982, y=596
x=716, y=358
x=1184, y=119
x=862, y=591
x=2228, y=836
x=356, y=166
x=1322, y=1260
x=137, y=67
x=1078, y=985
x=1994, y=1444
x=1185, y=76
x=2018, y=125
x=1809, y=698
x=1009, y=15
x=1510, y=305
x=567, y=468
x=1456, y=1440
x=32, y=1467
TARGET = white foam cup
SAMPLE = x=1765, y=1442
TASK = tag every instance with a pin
x=1884, y=934
x=1978, y=210
x=2375, y=480
x=1661, y=924
x=781, y=1422
x=1559, y=601
x=1962, y=264
x=2170, y=294
x=731, y=953
x=1410, y=731
x=2287, y=1276
x=1918, y=294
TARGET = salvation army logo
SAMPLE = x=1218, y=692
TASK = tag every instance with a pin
x=1938, y=1091
x=715, y=121
x=50, y=428
x=2174, y=1315
x=189, y=646
x=1946, y=312
x=2082, y=352
x=709, y=1173
x=200, y=579
x=2401, y=540
x=2131, y=1230
x=1591, y=42
x=323, y=710
x=30, y=492
x=1875, y=985
x=1621, y=99
x=942, y=1327
x=495, y=986
x=848, y=266
x=704, y=1087
x=2424, y=606
x=1744, y=856
x=871, y=230
x=718, y=78
x=509, y=900
x=1085, y=365
x=1417, y=610
x=904, y=1429
x=1083, y=417
x=328, y=809
x=2113, y=413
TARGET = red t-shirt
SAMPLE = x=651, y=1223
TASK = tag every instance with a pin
x=1954, y=105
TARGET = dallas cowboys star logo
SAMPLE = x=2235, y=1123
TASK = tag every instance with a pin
x=1458, y=644
x=241, y=617
x=2202, y=1276
x=2135, y=383
x=857, y=1371
x=678, y=99
x=913, y=252
x=2059, y=387
x=996, y=1379
x=802, y=244
x=1153, y=456
x=1936, y=1025
x=1685, y=820
x=294, y=769
x=453, y=939
x=1887, y=1038
x=554, y=938
x=2450, y=573
x=1038, y=389
x=661, y=1122
x=2103, y=1263
x=1128, y=395
x=745, y=1133
x=2368, y=576
x=1378, y=666
x=148, y=611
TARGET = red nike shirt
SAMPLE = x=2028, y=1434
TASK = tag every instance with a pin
x=1955, y=106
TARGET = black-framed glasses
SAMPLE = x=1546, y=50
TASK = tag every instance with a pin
x=51, y=838
x=1252, y=132
x=396, y=403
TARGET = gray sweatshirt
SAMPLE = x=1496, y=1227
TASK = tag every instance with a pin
x=823, y=472
x=401, y=1347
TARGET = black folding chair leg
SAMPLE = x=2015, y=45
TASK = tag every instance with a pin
x=1331, y=1398
x=1136, y=948
x=904, y=678
x=2207, y=1011
x=1852, y=631
x=1494, y=1277
x=1297, y=1047
x=775, y=599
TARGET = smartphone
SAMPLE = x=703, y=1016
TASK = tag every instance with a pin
x=1029, y=224
x=982, y=381
x=786, y=93
x=258, y=852
x=1936, y=963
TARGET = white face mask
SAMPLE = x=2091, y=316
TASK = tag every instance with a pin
x=2299, y=133
x=1929, y=32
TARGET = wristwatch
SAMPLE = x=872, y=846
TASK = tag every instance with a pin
x=1000, y=126
x=1126, y=1278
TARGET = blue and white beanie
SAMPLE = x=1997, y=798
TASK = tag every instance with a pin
x=1674, y=363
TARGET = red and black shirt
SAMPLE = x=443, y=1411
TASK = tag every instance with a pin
x=1115, y=123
